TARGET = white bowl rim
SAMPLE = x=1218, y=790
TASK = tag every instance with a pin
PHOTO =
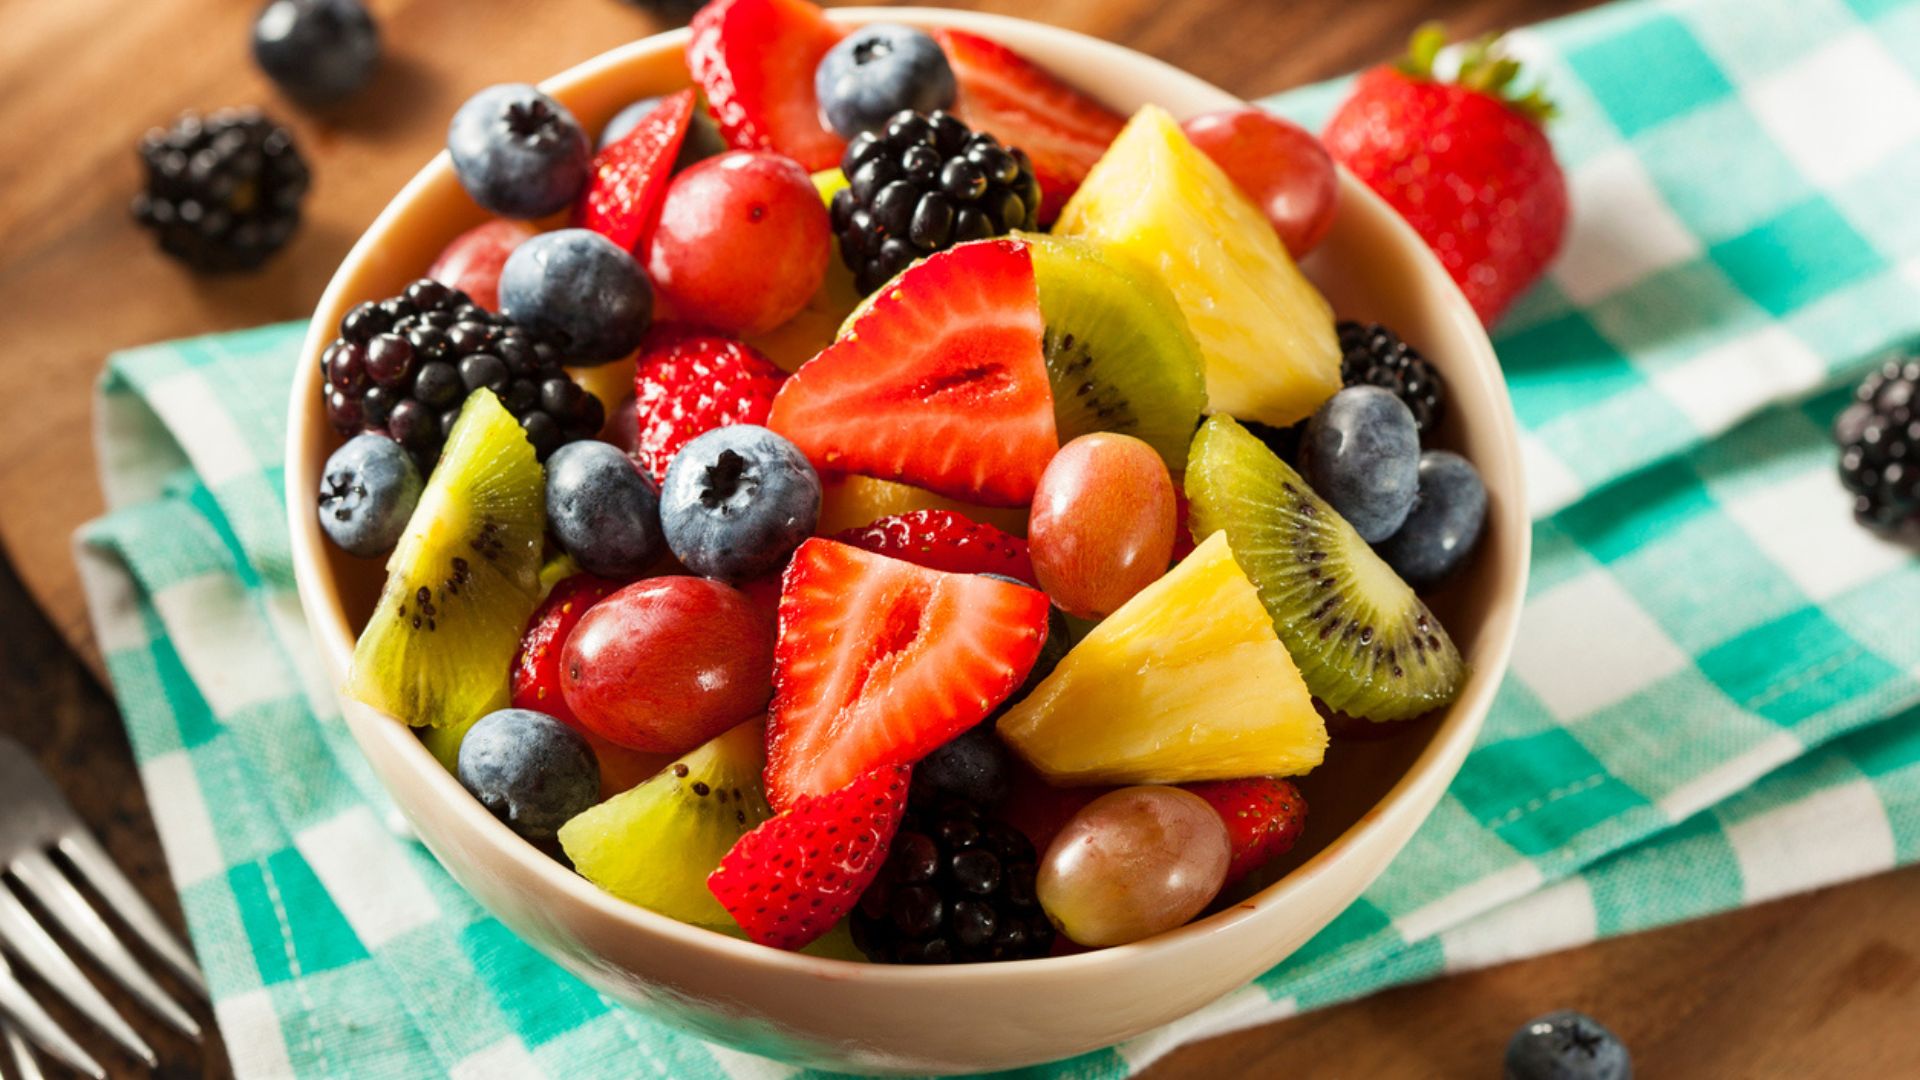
x=1415, y=793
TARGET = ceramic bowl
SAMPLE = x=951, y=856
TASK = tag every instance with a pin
x=1367, y=800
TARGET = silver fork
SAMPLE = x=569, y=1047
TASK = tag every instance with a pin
x=35, y=823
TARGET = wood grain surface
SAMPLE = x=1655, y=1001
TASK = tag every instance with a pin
x=1819, y=985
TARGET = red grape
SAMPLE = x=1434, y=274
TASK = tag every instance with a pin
x=472, y=262
x=665, y=664
x=1280, y=166
x=1101, y=528
x=743, y=243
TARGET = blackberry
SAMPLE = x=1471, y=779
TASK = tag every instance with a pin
x=1283, y=441
x=404, y=366
x=1372, y=355
x=958, y=887
x=1879, y=437
x=924, y=183
x=223, y=192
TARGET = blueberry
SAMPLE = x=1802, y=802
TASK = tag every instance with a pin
x=626, y=120
x=1362, y=454
x=737, y=501
x=579, y=290
x=1444, y=526
x=318, y=51
x=367, y=492
x=518, y=152
x=975, y=766
x=534, y=772
x=877, y=71
x=1566, y=1045
x=602, y=510
x=703, y=135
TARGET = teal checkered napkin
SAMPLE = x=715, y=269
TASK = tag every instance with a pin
x=1715, y=699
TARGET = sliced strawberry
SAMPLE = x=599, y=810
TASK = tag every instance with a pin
x=622, y=200
x=1264, y=817
x=880, y=661
x=536, y=670
x=944, y=540
x=689, y=382
x=798, y=873
x=940, y=383
x=1062, y=130
x=755, y=59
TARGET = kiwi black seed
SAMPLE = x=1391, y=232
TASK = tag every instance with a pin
x=1365, y=644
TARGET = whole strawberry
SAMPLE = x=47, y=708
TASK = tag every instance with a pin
x=1467, y=163
x=1264, y=817
x=689, y=382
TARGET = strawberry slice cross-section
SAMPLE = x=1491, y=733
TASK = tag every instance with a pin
x=940, y=383
x=1062, y=130
x=755, y=59
x=629, y=182
x=880, y=661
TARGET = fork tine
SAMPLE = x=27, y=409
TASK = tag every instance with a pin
x=31, y=943
x=24, y=1066
x=20, y=1013
x=86, y=855
x=45, y=883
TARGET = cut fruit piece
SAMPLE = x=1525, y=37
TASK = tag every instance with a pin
x=1062, y=130
x=848, y=502
x=622, y=200
x=755, y=59
x=1265, y=331
x=880, y=661
x=463, y=580
x=655, y=845
x=1365, y=643
x=944, y=540
x=1119, y=354
x=1185, y=682
x=794, y=878
x=940, y=382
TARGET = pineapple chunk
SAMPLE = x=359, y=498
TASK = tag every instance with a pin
x=1265, y=331
x=1187, y=681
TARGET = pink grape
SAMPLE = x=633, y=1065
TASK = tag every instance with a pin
x=1101, y=528
x=1134, y=863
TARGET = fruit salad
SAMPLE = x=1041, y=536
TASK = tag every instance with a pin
x=907, y=511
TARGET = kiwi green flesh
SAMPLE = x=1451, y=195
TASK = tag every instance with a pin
x=1364, y=643
x=462, y=582
x=1119, y=354
x=655, y=844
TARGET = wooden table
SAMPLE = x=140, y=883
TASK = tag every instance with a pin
x=1818, y=985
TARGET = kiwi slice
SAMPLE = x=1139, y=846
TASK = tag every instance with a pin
x=462, y=581
x=1119, y=354
x=1363, y=641
x=655, y=844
